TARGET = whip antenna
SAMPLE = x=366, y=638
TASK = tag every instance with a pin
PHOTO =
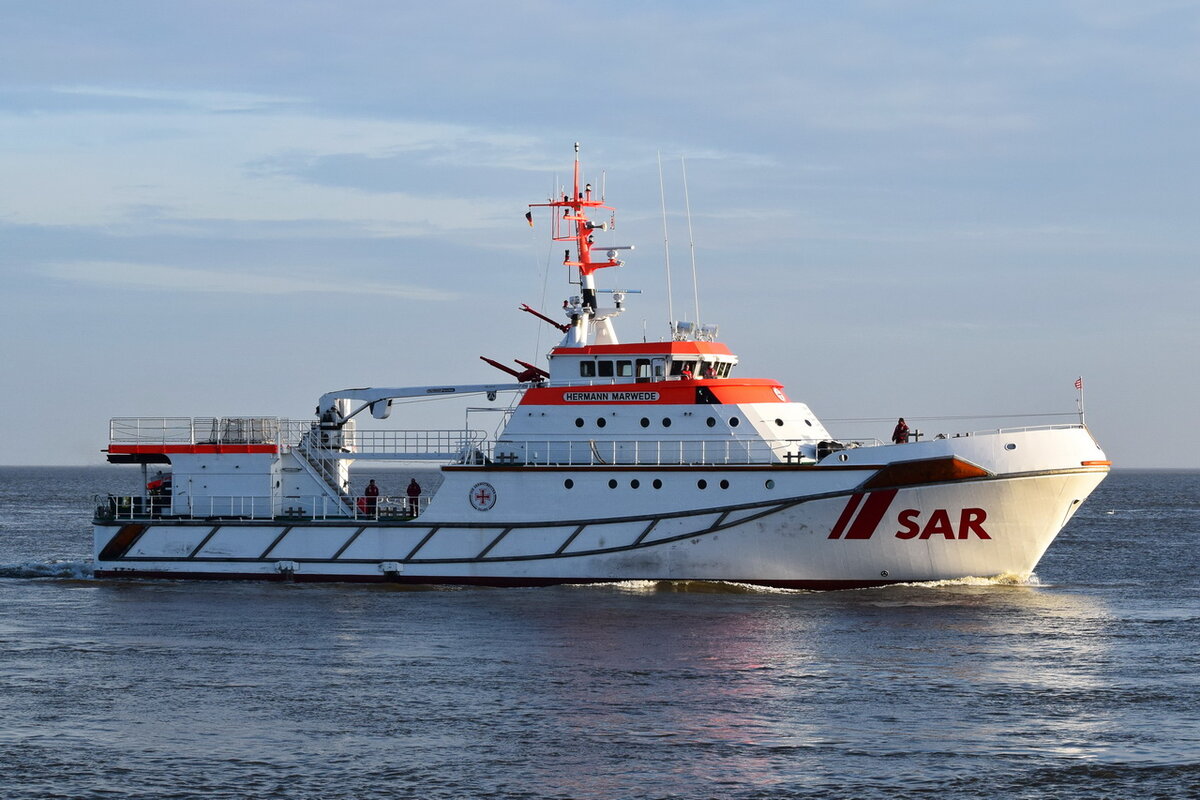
x=691, y=239
x=662, y=194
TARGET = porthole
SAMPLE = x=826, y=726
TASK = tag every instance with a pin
x=702, y=484
x=724, y=484
x=579, y=422
x=843, y=457
x=712, y=421
x=645, y=422
x=770, y=484
x=601, y=422
x=612, y=484
x=1010, y=446
x=666, y=422
x=657, y=483
x=779, y=422
x=734, y=422
x=635, y=483
x=808, y=422
x=569, y=484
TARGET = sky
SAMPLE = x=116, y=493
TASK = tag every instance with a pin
x=927, y=209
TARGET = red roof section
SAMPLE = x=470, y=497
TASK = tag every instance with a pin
x=646, y=348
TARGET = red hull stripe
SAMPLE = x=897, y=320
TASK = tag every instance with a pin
x=120, y=543
x=192, y=448
x=873, y=510
x=730, y=392
x=847, y=513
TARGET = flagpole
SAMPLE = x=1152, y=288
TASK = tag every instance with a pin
x=1079, y=386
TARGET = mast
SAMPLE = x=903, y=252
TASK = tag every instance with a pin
x=573, y=226
x=691, y=239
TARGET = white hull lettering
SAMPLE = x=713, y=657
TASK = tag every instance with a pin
x=610, y=397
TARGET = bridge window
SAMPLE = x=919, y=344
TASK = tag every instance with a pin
x=605, y=369
x=587, y=369
x=723, y=369
x=643, y=369
x=624, y=369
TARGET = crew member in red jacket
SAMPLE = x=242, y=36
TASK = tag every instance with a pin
x=371, y=493
x=900, y=435
x=414, y=494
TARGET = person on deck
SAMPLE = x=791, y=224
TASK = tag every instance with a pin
x=371, y=493
x=414, y=495
x=900, y=434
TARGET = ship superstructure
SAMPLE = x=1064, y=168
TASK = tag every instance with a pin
x=643, y=460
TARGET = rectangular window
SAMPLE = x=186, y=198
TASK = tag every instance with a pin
x=587, y=369
x=606, y=370
x=723, y=369
x=643, y=368
x=624, y=369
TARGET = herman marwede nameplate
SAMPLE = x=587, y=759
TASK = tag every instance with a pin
x=610, y=397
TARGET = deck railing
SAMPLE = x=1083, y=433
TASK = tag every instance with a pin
x=599, y=452
x=258, y=507
x=199, y=430
x=344, y=442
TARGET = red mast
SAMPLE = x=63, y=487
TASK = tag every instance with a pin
x=573, y=225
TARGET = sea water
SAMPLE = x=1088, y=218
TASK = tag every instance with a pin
x=1079, y=683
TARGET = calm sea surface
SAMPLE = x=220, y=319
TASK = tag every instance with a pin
x=1081, y=684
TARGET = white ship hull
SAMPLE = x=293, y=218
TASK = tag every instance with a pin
x=978, y=506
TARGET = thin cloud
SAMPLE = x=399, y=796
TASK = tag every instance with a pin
x=205, y=100
x=156, y=277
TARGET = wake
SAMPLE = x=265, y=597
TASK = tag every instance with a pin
x=78, y=570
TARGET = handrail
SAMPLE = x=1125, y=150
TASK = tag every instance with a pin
x=600, y=452
x=260, y=507
x=289, y=434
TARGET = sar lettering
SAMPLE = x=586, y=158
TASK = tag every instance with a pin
x=970, y=521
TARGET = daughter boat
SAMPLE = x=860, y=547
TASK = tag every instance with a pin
x=642, y=461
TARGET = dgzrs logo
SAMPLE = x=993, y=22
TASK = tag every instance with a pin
x=482, y=496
